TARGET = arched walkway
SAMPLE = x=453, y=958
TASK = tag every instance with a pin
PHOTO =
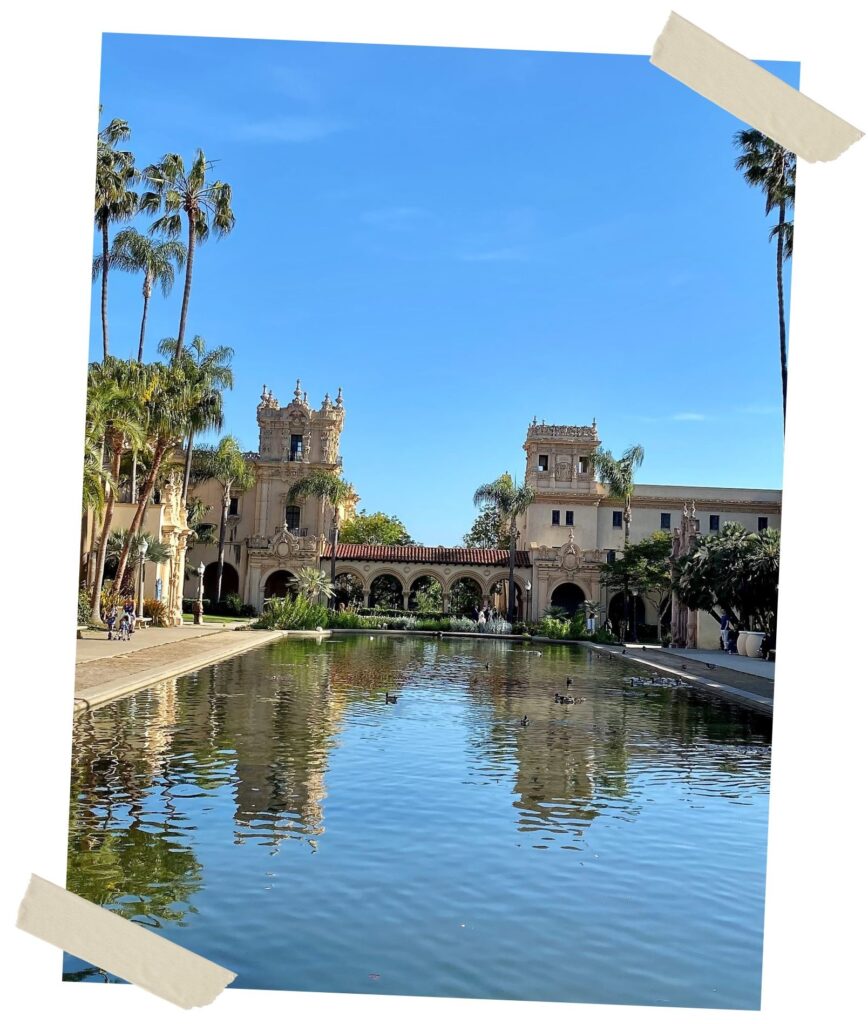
x=230, y=581
x=349, y=589
x=616, y=613
x=465, y=594
x=387, y=591
x=498, y=596
x=568, y=596
x=279, y=584
x=426, y=594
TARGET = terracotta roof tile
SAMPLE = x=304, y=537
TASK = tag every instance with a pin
x=434, y=556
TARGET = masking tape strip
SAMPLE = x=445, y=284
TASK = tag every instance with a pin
x=128, y=950
x=750, y=93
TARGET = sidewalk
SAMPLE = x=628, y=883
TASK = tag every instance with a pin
x=106, y=670
x=732, y=662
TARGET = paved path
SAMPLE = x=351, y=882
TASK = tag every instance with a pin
x=106, y=670
x=744, y=680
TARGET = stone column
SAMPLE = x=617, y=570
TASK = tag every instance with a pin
x=405, y=599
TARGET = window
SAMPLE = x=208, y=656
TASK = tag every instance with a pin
x=543, y=465
x=296, y=448
x=233, y=506
x=762, y=523
x=610, y=557
x=556, y=517
x=714, y=522
x=569, y=518
x=665, y=520
x=617, y=520
x=293, y=517
x=583, y=464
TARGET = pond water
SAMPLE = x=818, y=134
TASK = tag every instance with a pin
x=275, y=814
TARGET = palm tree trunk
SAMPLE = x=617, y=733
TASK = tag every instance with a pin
x=188, y=467
x=147, y=490
x=510, y=610
x=334, y=555
x=188, y=283
x=146, y=291
x=221, y=544
x=628, y=515
x=104, y=299
x=782, y=324
x=103, y=542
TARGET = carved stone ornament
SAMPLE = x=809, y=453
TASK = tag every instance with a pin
x=570, y=555
x=284, y=544
x=563, y=472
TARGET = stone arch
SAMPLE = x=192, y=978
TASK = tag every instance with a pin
x=350, y=586
x=387, y=591
x=424, y=579
x=616, y=612
x=498, y=594
x=465, y=592
x=279, y=583
x=567, y=595
x=209, y=581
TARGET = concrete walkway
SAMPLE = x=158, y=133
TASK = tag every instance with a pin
x=106, y=670
x=747, y=681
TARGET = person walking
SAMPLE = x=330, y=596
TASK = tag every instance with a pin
x=130, y=610
x=110, y=619
x=481, y=619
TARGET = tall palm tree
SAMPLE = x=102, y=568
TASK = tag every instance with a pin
x=331, y=490
x=619, y=476
x=165, y=401
x=510, y=501
x=157, y=261
x=206, y=203
x=114, y=200
x=766, y=165
x=119, y=385
x=210, y=375
x=226, y=464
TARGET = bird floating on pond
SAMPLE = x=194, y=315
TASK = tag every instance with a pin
x=391, y=698
x=525, y=721
x=569, y=680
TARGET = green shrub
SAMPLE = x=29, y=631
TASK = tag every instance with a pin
x=156, y=611
x=233, y=604
x=292, y=613
x=83, y=607
x=552, y=628
x=578, y=628
x=346, y=620
x=603, y=636
x=461, y=624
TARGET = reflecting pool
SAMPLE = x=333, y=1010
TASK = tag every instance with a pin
x=276, y=814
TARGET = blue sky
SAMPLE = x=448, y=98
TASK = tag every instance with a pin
x=465, y=239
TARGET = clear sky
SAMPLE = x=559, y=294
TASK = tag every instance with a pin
x=465, y=239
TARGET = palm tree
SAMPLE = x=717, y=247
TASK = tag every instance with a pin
x=314, y=584
x=114, y=200
x=206, y=204
x=510, y=501
x=210, y=375
x=618, y=475
x=118, y=385
x=225, y=464
x=166, y=399
x=765, y=164
x=157, y=261
x=332, y=490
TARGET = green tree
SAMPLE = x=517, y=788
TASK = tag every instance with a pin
x=375, y=528
x=736, y=572
x=646, y=568
x=226, y=464
x=114, y=200
x=766, y=165
x=209, y=375
x=156, y=261
x=426, y=597
x=314, y=584
x=488, y=530
x=207, y=205
x=118, y=388
x=619, y=476
x=510, y=501
x=331, y=490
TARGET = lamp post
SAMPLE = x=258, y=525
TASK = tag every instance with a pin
x=527, y=587
x=143, y=550
x=635, y=592
x=197, y=611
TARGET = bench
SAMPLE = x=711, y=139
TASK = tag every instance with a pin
x=143, y=622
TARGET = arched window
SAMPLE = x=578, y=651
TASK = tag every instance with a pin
x=293, y=517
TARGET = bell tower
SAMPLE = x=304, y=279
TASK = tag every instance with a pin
x=559, y=458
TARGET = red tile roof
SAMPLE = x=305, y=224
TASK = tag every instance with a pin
x=437, y=556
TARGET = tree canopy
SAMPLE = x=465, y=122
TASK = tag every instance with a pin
x=375, y=528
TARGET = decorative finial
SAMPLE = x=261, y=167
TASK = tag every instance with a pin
x=534, y=422
x=594, y=423
x=327, y=402
x=304, y=399
x=264, y=392
x=297, y=394
x=340, y=398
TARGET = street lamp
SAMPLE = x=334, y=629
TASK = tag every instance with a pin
x=527, y=613
x=197, y=611
x=143, y=550
x=635, y=592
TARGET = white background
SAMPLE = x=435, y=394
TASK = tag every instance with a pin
x=815, y=946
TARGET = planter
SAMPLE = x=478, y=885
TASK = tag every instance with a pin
x=740, y=642
x=752, y=643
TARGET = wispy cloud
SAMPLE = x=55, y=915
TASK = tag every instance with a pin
x=688, y=417
x=506, y=254
x=394, y=218
x=292, y=128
